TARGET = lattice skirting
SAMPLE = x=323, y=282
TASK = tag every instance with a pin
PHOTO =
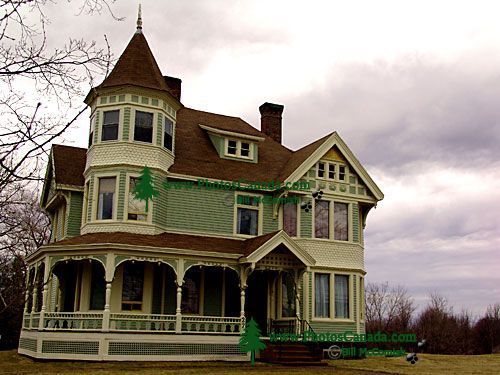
x=131, y=347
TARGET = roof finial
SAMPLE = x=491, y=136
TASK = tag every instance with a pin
x=139, y=21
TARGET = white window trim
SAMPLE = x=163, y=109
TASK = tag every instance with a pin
x=155, y=126
x=120, y=124
x=95, y=196
x=332, y=317
x=259, y=216
x=238, y=149
x=127, y=191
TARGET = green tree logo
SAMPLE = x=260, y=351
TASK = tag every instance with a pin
x=145, y=190
x=250, y=340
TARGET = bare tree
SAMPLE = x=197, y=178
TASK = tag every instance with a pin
x=41, y=93
x=34, y=76
x=388, y=309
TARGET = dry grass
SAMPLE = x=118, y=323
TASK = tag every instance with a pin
x=12, y=363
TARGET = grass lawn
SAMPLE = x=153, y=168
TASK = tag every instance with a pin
x=12, y=363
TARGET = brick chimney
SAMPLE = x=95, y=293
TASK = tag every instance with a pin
x=174, y=86
x=270, y=120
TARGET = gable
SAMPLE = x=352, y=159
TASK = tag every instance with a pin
x=357, y=180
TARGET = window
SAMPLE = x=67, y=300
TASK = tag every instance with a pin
x=247, y=215
x=239, y=149
x=133, y=283
x=143, y=130
x=136, y=207
x=110, y=125
x=322, y=295
x=321, y=170
x=341, y=227
x=287, y=296
x=97, y=287
x=331, y=171
x=290, y=219
x=105, y=200
x=231, y=147
x=86, y=199
x=168, y=134
x=245, y=149
x=321, y=219
x=342, y=172
x=342, y=296
x=191, y=292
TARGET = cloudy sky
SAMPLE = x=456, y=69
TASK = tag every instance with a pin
x=413, y=87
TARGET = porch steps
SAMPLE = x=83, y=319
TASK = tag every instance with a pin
x=291, y=354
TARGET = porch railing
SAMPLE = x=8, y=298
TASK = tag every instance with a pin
x=87, y=321
x=142, y=322
x=128, y=322
x=210, y=324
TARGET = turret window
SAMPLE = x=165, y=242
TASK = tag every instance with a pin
x=168, y=136
x=105, y=201
x=110, y=125
x=136, y=207
x=143, y=130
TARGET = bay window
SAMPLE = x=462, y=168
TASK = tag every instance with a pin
x=136, y=207
x=290, y=219
x=321, y=219
x=105, y=201
x=342, y=296
x=341, y=226
x=110, y=125
x=322, y=295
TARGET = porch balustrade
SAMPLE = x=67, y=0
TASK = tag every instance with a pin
x=73, y=321
x=127, y=322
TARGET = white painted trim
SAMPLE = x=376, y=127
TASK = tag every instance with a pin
x=230, y=133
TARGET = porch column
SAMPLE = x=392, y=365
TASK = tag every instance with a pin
x=34, y=296
x=107, y=312
x=26, y=297
x=178, y=315
x=44, y=292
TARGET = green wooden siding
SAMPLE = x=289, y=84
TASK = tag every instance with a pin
x=126, y=124
x=74, y=214
x=333, y=327
x=96, y=127
x=121, y=195
x=90, y=195
x=160, y=202
x=355, y=222
x=198, y=209
x=159, y=128
x=306, y=223
x=269, y=224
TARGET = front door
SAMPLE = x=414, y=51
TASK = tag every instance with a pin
x=256, y=301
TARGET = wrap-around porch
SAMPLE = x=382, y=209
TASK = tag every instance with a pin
x=133, y=294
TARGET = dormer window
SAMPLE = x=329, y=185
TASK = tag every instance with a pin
x=143, y=130
x=232, y=147
x=239, y=149
x=110, y=125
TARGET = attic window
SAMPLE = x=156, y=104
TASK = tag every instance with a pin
x=239, y=149
x=342, y=172
x=321, y=170
x=335, y=172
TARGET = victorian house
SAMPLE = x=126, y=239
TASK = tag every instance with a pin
x=175, y=276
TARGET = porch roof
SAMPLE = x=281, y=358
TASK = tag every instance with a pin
x=169, y=240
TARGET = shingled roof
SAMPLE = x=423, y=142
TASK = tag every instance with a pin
x=69, y=164
x=170, y=240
